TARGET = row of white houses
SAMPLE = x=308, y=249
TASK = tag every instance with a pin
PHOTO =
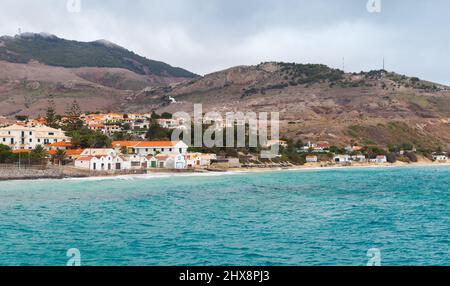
x=343, y=159
x=111, y=160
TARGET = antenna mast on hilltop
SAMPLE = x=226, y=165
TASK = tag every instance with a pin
x=343, y=64
x=20, y=31
x=383, y=65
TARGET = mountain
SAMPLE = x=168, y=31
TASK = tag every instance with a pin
x=98, y=74
x=54, y=51
x=316, y=102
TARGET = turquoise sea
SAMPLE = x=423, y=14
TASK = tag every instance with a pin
x=323, y=217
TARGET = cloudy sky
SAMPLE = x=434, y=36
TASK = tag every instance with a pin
x=208, y=35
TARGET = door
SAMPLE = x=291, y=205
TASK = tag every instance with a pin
x=118, y=166
x=154, y=164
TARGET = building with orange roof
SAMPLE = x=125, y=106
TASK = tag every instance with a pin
x=71, y=154
x=61, y=145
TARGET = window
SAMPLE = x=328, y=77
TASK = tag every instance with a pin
x=31, y=133
x=51, y=133
x=31, y=140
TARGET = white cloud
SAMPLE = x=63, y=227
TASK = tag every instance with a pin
x=206, y=35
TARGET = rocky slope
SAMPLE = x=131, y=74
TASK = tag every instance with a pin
x=98, y=74
x=319, y=103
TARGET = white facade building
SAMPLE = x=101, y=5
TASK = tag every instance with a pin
x=19, y=137
x=342, y=159
x=101, y=163
x=440, y=157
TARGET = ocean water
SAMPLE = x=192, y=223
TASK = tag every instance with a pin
x=326, y=217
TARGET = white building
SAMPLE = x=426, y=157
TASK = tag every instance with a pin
x=381, y=159
x=440, y=157
x=174, y=123
x=27, y=138
x=341, y=159
x=98, y=152
x=199, y=160
x=312, y=159
x=101, y=163
x=116, y=163
x=146, y=148
x=359, y=158
x=171, y=161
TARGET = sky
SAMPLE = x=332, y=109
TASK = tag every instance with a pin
x=205, y=36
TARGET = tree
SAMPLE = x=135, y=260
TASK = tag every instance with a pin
x=156, y=132
x=155, y=116
x=39, y=154
x=59, y=157
x=391, y=157
x=73, y=114
x=21, y=118
x=166, y=115
x=411, y=156
x=51, y=117
x=5, y=153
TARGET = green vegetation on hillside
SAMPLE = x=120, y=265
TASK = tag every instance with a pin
x=54, y=51
x=310, y=73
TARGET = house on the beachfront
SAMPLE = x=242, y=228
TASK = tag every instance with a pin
x=136, y=162
x=440, y=157
x=199, y=160
x=70, y=154
x=312, y=159
x=61, y=145
x=359, y=158
x=380, y=159
x=145, y=148
x=342, y=159
x=19, y=137
x=171, y=161
x=101, y=163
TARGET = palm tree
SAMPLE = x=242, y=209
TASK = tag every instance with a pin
x=59, y=157
x=39, y=154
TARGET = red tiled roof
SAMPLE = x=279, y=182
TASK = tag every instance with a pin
x=85, y=158
x=69, y=152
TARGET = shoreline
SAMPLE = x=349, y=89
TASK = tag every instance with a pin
x=201, y=173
